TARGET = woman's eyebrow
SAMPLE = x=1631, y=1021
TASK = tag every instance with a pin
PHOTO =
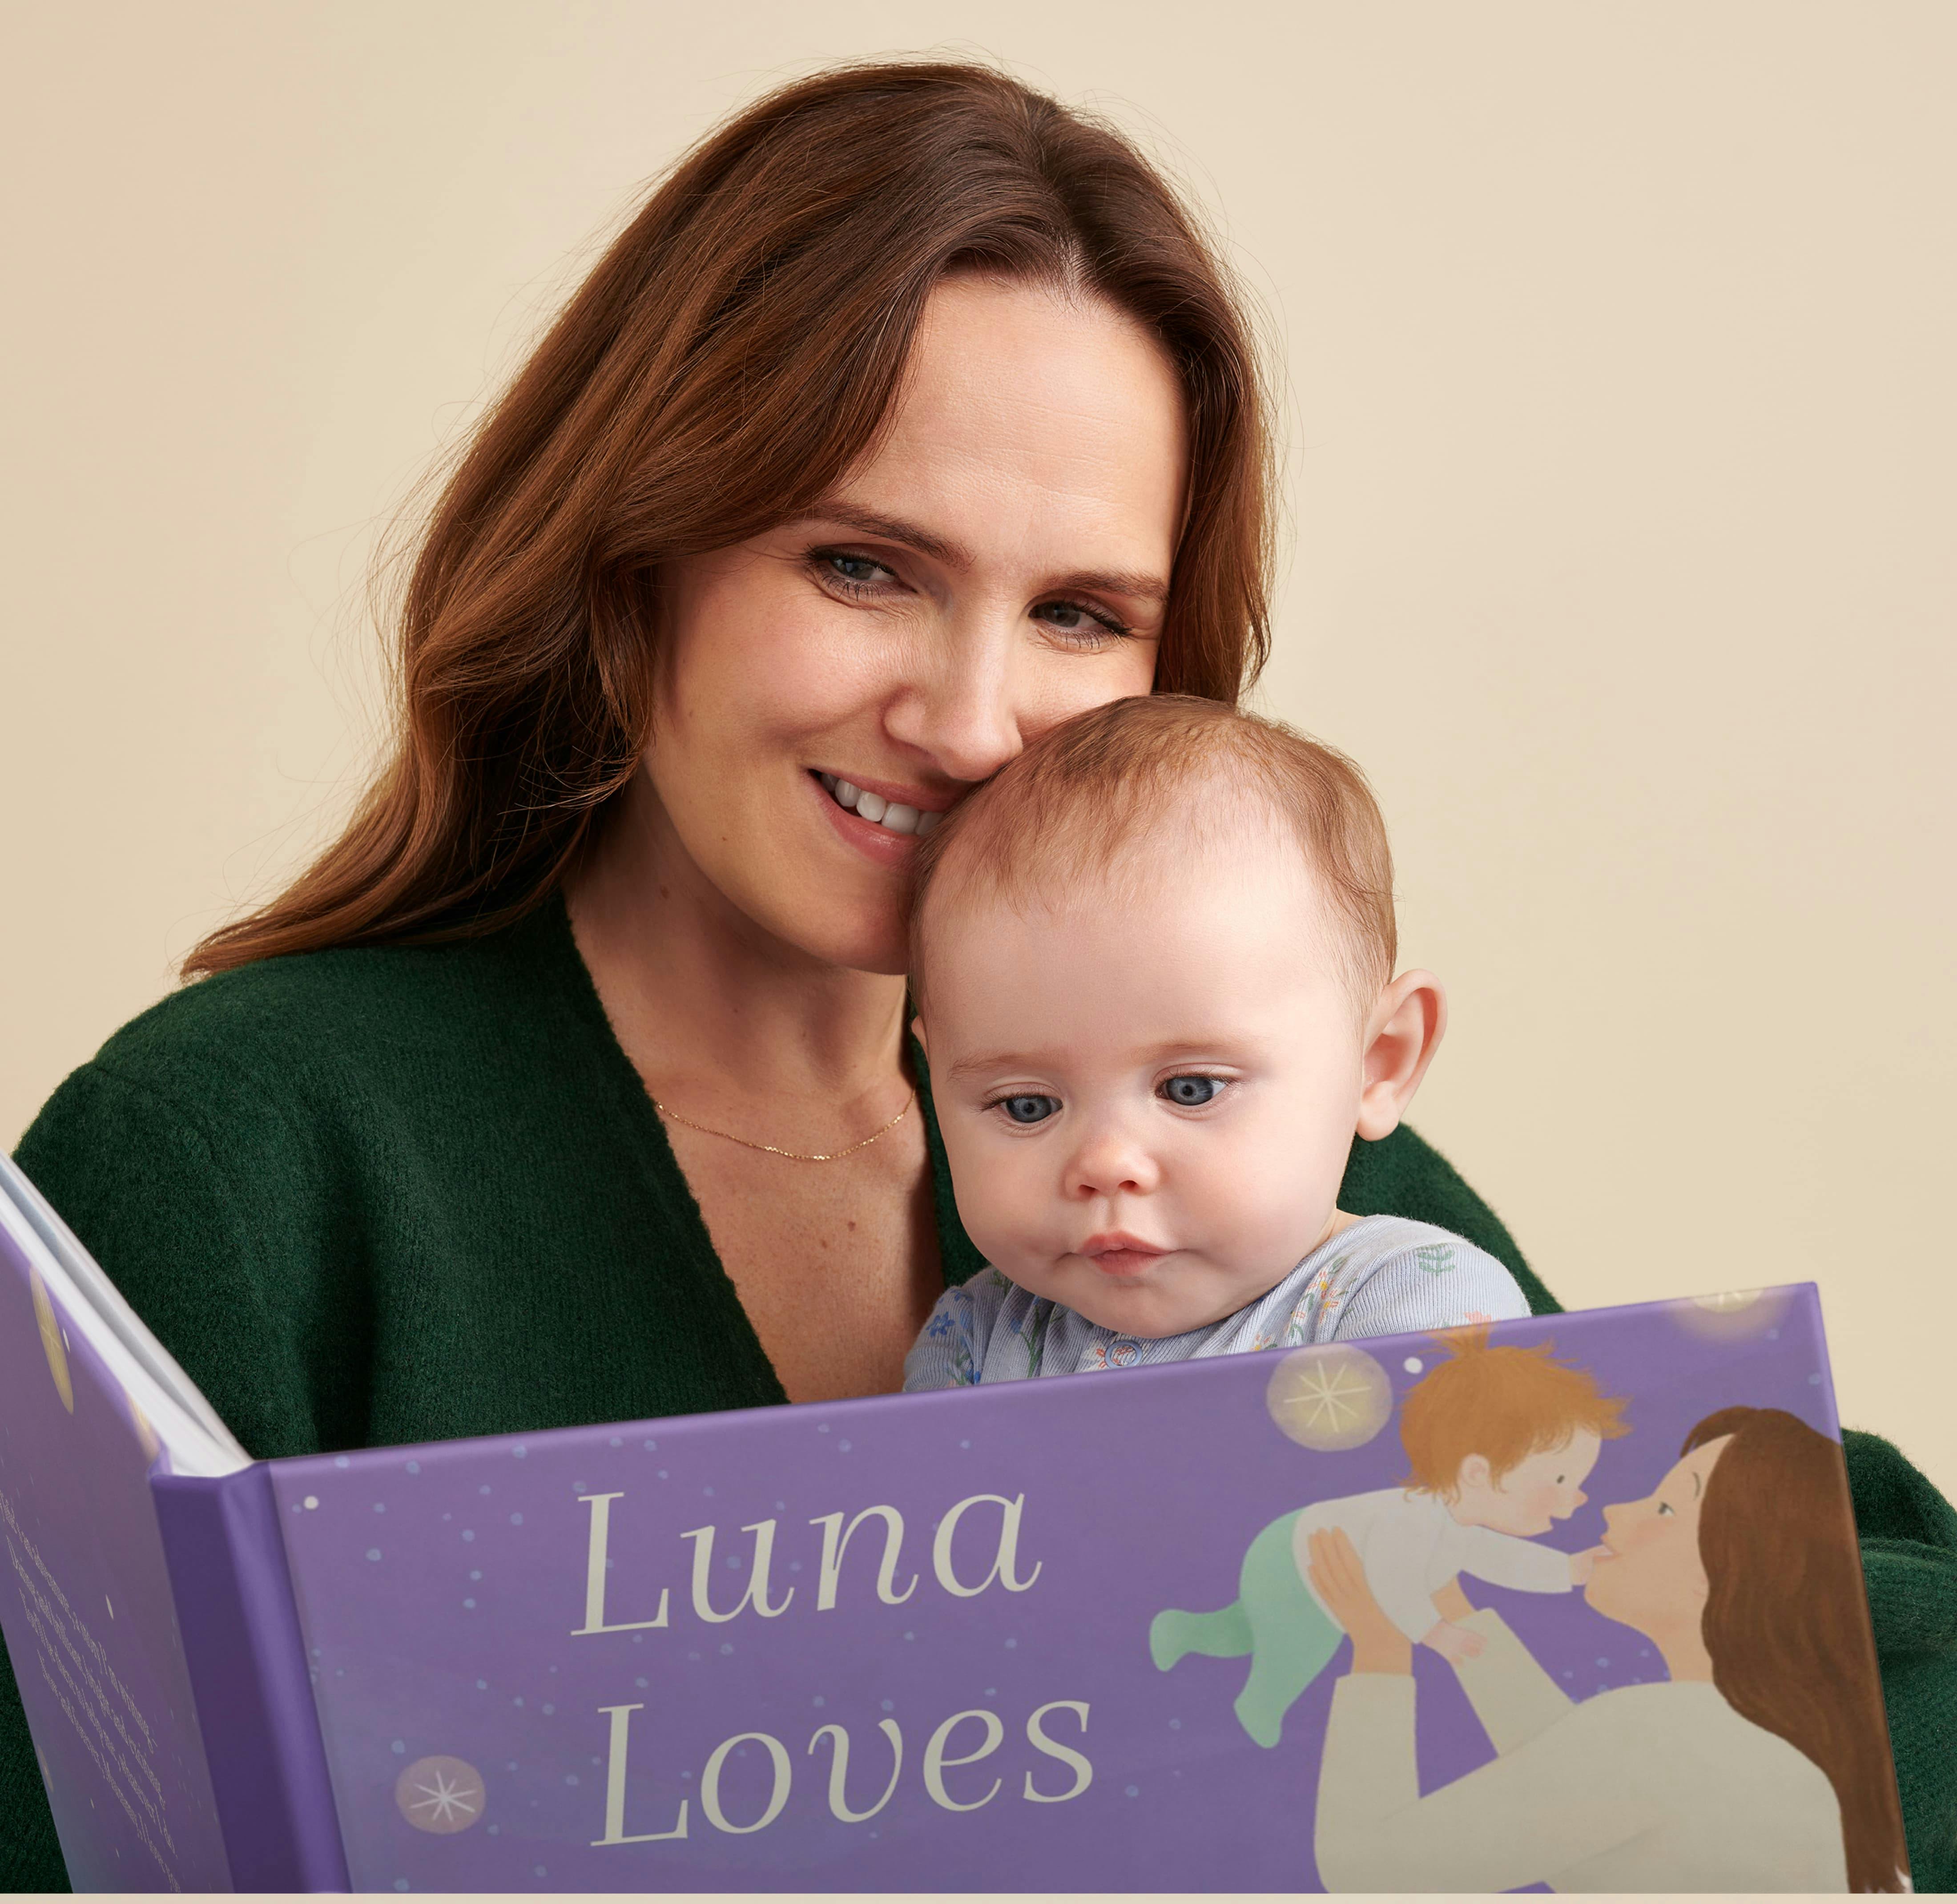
x=1137, y=586
x=894, y=528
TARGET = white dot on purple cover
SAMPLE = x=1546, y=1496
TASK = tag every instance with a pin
x=341, y=1461
x=476, y=1573
x=844, y=1446
x=516, y=1520
x=400, y=1748
x=727, y=1646
x=1413, y=1364
x=548, y=1708
x=662, y=1474
x=468, y=1606
x=380, y=1507
x=484, y=1489
x=373, y=1553
x=519, y=1451
x=651, y=1447
x=469, y=1533
x=640, y=1682
x=481, y=1685
x=617, y=1441
x=964, y=1444
x=414, y=1467
x=1175, y=1725
x=820, y=1700
x=1134, y=1790
x=400, y=1883
x=1012, y=1643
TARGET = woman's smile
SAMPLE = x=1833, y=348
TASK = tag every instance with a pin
x=898, y=810
x=874, y=837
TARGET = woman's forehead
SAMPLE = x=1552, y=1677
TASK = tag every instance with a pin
x=1027, y=417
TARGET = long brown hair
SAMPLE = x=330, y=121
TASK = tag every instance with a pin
x=1786, y=1622
x=735, y=351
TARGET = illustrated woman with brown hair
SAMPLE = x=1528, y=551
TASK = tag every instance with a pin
x=1759, y=1763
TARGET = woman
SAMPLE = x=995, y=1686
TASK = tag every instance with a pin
x=911, y=414
x=1760, y=1764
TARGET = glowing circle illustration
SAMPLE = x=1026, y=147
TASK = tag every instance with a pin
x=440, y=1795
x=1728, y=1314
x=53, y=1344
x=1329, y=1398
x=1728, y=1300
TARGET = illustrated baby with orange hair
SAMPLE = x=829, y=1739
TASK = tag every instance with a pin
x=1499, y=1443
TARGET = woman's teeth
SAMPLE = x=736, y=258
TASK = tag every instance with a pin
x=892, y=815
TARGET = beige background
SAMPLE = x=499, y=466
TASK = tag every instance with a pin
x=1622, y=418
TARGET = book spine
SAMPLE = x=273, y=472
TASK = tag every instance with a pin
x=246, y=1654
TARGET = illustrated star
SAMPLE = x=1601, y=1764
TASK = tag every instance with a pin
x=445, y=1802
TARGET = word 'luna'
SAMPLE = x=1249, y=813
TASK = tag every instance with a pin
x=836, y=1536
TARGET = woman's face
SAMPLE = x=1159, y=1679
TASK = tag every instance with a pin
x=1650, y=1575
x=1000, y=562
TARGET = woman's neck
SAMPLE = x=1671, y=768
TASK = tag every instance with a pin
x=1683, y=1652
x=706, y=1003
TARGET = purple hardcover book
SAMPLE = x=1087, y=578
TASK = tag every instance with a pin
x=1572, y=1602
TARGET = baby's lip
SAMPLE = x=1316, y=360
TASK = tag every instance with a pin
x=1118, y=1242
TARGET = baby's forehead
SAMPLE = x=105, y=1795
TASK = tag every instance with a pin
x=1210, y=842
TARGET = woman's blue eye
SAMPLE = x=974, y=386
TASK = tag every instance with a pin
x=859, y=570
x=1191, y=1092
x=1028, y=1109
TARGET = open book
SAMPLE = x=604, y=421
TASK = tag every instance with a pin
x=1071, y=1635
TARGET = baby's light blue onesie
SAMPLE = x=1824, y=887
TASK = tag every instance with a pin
x=1383, y=1276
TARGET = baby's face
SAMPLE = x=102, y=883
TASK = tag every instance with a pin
x=1542, y=1488
x=1147, y=1097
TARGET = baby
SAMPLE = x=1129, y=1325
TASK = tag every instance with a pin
x=1499, y=1442
x=1153, y=961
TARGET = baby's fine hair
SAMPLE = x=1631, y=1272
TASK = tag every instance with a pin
x=1076, y=803
x=1503, y=1404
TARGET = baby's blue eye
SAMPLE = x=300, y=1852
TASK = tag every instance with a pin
x=1190, y=1092
x=1028, y=1109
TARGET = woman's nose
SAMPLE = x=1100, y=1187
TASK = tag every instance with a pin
x=959, y=707
x=1581, y=1497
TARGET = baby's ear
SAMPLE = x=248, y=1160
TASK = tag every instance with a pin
x=1475, y=1472
x=1402, y=1034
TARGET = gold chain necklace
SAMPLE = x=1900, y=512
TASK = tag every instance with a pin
x=794, y=1156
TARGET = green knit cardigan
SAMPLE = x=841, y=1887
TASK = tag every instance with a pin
x=374, y=1197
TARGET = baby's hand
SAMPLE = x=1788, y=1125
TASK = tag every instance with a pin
x=1453, y=1643
x=1581, y=1565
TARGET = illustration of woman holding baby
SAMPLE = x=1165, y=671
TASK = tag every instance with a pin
x=1759, y=1762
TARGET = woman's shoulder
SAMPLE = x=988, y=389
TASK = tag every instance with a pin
x=318, y=1025
x=366, y=1003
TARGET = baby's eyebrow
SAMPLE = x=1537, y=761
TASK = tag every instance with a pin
x=984, y=1061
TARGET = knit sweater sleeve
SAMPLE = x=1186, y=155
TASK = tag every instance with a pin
x=1909, y=1560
